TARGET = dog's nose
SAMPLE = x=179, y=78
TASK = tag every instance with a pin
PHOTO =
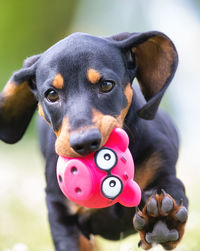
x=85, y=142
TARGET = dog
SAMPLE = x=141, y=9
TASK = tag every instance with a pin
x=83, y=88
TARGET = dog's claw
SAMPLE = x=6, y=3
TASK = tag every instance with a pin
x=181, y=202
x=167, y=204
x=152, y=207
x=161, y=234
x=137, y=210
x=139, y=243
x=154, y=192
x=163, y=191
x=143, y=245
x=182, y=214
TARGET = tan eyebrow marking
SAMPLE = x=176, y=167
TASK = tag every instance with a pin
x=93, y=76
x=58, y=81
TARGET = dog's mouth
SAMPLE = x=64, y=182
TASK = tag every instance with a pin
x=86, y=140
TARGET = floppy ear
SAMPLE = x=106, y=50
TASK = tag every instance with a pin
x=156, y=61
x=17, y=102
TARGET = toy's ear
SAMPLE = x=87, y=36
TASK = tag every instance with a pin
x=131, y=194
x=17, y=102
x=151, y=58
x=118, y=137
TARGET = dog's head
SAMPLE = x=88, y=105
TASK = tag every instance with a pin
x=82, y=86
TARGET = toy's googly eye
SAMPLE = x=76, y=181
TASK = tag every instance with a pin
x=111, y=187
x=106, y=159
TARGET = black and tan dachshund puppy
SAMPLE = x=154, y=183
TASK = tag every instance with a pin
x=83, y=88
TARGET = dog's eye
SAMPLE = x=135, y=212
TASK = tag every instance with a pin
x=111, y=187
x=106, y=86
x=51, y=95
x=105, y=159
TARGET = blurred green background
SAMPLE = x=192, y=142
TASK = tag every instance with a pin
x=28, y=27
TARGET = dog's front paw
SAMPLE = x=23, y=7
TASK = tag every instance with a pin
x=161, y=221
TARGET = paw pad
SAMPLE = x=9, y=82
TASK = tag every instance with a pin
x=161, y=221
x=161, y=234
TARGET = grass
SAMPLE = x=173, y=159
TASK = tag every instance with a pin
x=23, y=215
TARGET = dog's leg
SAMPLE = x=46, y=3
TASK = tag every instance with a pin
x=64, y=230
x=164, y=215
x=63, y=225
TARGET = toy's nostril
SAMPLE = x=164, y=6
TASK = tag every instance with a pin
x=74, y=170
x=60, y=179
x=78, y=190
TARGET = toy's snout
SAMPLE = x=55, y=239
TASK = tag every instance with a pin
x=75, y=179
x=103, y=178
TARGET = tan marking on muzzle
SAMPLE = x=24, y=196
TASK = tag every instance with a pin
x=105, y=124
x=62, y=145
x=58, y=81
x=93, y=76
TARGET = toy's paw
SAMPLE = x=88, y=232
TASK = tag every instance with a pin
x=161, y=221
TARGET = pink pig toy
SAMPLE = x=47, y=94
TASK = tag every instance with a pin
x=103, y=178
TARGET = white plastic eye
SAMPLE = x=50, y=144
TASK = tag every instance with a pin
x=106, y=159
x=111, y=187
